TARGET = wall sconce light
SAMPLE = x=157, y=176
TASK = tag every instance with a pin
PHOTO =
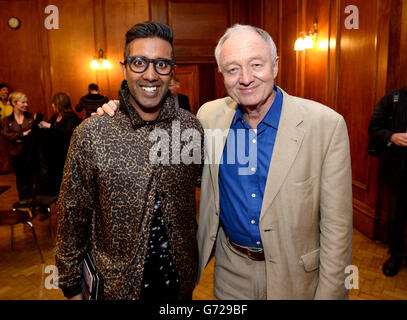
x=100, y=62
x=306, y=40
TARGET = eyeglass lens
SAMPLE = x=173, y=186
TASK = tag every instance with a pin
x=140, y=64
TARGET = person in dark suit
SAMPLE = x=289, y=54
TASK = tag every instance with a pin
x=388, y=132
x=181, y=100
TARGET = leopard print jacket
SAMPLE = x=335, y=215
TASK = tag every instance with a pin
x=107, y=197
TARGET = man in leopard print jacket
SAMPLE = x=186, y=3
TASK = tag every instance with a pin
x=128, y=190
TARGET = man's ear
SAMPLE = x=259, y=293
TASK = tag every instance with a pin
x=173, y=72
x=123, y=67
x=275, y=66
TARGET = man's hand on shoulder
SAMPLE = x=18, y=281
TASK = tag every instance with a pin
x=110, y=108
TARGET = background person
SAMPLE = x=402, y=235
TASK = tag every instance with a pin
x=5, y=110
x=91, y=101
x=16, y=128
x=181, y=101
x=56, y=138
x=388, y=131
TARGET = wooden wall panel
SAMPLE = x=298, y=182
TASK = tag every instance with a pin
x=316, y=59
x=389, y=77
x=248, y=12
x=120, y=16
x=71, y=49
x=289, y=29
x=333, y=55
x=356, y=91
x=159, y=11
x=197, y=27
x=349, y=71
x=20, y=51
x=397, y=50
x=271, y=13
x=403, y=46
x=189, y=84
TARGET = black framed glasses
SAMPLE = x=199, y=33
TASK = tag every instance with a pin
x=140, y=64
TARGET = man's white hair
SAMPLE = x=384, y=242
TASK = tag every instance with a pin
x=239, y=27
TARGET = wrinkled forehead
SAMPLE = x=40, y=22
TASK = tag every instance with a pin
x=243, y=44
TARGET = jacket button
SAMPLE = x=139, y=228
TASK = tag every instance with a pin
x=213, y=238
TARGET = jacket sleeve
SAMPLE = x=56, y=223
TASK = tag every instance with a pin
x=65, y=130
x=74, y=212
x=8, y=134
x=336, y=216
x=379, y=129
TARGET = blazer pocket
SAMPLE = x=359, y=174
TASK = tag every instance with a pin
x=310, y=261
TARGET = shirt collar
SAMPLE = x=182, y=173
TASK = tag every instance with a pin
x=272, y=117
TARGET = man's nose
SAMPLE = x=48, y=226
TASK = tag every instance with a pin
x=246, y=76
x=150, y=73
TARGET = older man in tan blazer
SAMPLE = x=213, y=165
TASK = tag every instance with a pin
x=305, y=221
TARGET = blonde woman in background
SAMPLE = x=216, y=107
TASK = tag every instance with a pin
x=16, y=128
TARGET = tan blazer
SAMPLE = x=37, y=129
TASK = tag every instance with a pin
x=306, y=217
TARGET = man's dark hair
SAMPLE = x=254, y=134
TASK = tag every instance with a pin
x=93, y=87
x=149, y=29
x=2, y=85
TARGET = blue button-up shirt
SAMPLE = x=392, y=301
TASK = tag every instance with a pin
x=243, y=174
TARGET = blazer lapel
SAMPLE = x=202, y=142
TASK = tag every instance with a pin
x=288, y=142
